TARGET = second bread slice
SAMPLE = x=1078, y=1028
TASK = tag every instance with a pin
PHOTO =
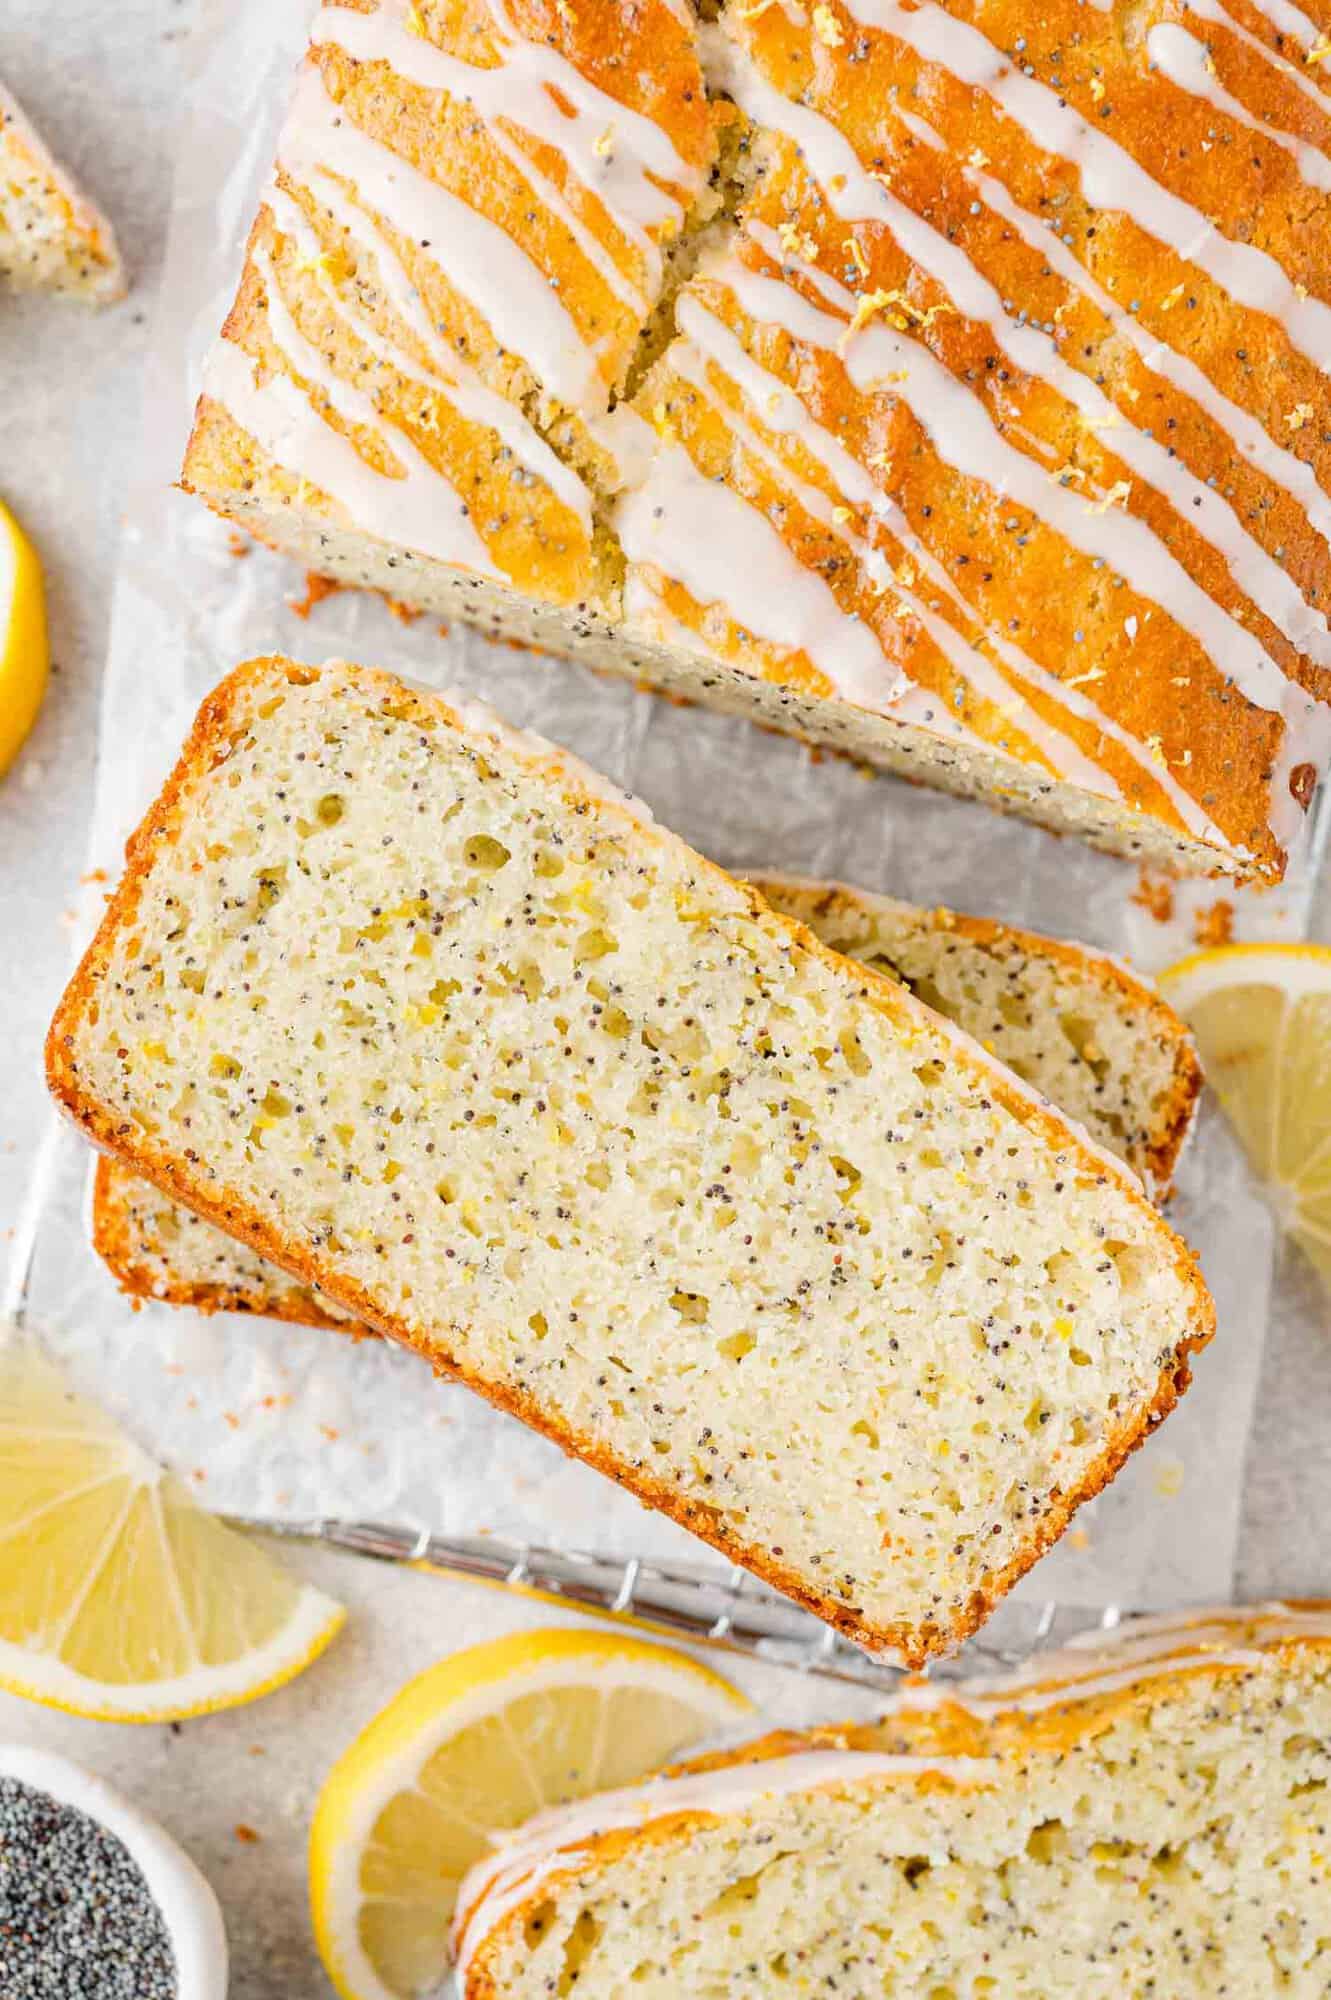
x=415, y=1007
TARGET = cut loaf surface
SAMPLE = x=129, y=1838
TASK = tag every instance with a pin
x=934, y=381
x=52, y=238
x=1145, y=1816
x=421, y=1010
x=1074, y=1024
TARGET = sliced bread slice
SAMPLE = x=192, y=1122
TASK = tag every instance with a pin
x=1147, y=1818
x=156, y=1248
x=1075, y=1024
x=52, y=238
x=425, y=1012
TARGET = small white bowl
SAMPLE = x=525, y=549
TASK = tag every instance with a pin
x=188, y=1906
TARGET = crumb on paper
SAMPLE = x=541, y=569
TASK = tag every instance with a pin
x=1214, y=925
x=406, y=614
x=331, y=1432
x=246, y=1834
x=1169, y=1479
x=1078, y=1539
x=316, y=589
x=93, y=875
x=239, y=545
x=1155, y=895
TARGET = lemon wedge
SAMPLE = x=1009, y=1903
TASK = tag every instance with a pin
x=473, y=1746
x=23, y=650
x=119, y=1598
x=1261, y=1014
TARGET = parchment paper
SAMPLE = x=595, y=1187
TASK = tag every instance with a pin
x=272, y=1419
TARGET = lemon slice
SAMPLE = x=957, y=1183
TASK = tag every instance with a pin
x=119, y=1598
x=23, y=653
x=473, y=1746
x=1262, y=1017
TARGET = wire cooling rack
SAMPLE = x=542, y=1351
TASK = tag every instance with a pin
x=733, y=1611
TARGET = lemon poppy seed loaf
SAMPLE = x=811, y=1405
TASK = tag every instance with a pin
x=422, y=1011
x=932, y=381
x=1077, y=1026
x=1143, y=1815
x=52, y=238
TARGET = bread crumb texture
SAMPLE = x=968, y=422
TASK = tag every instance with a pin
x=1172, y=1839
x=1093, y=1039
x=516, y=1077
x=934, y=382
x=52, y=238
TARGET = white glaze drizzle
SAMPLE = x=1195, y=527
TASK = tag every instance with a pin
x=424, y=507
x=1110, y=177
x=707, y=338
x=1072, y=763
x=478, y=257
x=452, y=379
x=1096, y=1665
x=616, y=152
x=966, y=438
x=708, y=537
x=1302, y=78
x=420, y=510
x=561, y=1838
x=854, y=194
x=1271, y=458
x=1289, y=20
x=1189, y=65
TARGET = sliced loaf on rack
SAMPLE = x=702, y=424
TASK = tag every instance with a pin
x=423, y=1011
x=1144, y=1815
x=1076, y=1025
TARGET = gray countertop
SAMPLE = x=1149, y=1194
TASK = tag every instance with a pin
x=71, y=384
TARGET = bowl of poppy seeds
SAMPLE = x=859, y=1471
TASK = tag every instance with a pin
x=96, y=1901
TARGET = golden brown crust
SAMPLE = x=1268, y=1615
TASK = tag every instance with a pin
x=117, y=1237
x=207, y=746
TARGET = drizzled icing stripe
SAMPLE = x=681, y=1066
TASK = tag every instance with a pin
x=755, y=295
x=420, y=510
x=708, y=339
x=421, y=491
x=1284, y=468
x=1188, y=64
x=708, y=537
x=1211, y=10
x=856, y=195
x=783, y=411
x=651, y=618
x=612, y=149
x=1289, y=20
x=1110, y=177
x=479, y=258
x=452, y=379
x=966, y=438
